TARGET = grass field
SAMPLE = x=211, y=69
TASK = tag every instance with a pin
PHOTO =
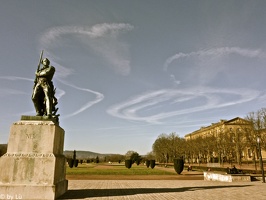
x=114, y=169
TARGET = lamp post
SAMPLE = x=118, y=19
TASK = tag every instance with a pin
x=261, y=163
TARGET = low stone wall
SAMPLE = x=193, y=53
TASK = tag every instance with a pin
x=212, y=176
x=213, y=165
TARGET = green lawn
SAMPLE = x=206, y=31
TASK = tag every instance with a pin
x=114, y=169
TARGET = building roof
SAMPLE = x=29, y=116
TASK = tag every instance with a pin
x=234, y=121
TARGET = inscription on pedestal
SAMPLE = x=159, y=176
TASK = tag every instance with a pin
x=30, y=135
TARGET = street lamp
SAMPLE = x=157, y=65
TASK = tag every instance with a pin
x=261, y=163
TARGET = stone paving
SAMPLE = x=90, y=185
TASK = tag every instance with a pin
x=164, y=189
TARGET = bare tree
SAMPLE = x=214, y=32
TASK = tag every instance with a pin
x=150, y=156
x=258, y=125
x=160, y=148
x=168, y=147
x=175, y=147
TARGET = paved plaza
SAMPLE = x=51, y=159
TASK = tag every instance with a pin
x=164, y=189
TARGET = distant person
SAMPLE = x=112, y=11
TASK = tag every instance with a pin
x=234, y=170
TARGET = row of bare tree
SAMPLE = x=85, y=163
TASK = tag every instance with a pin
x=225, y=146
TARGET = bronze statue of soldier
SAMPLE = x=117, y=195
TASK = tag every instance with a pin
x=43, y=95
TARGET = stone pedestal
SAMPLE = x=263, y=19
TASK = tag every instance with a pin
x=34, y=165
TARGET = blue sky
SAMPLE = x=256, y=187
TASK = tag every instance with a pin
x=128, y=71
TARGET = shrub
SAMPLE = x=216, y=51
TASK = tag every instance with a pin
x=152, y=163
x=76, y=162
x=97, y=160
x=128, y=163
x=179, y=165
x=138, y=161
x=70, y=162
x=148, y=162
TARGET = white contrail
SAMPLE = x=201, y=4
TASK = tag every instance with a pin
x=129, y=110
x=99, y=97
x=15, y=78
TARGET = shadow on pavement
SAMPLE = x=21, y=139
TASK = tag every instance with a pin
x=85, y=193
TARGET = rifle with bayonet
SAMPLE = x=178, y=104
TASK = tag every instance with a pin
x=38, y=68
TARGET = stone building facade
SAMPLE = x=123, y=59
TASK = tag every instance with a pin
x=231, y=134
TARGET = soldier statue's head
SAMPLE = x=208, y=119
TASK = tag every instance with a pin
x=45, y=62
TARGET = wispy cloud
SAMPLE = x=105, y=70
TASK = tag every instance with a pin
x=136, y=107
x=202, y=67
x=103, y=38
x=216, y=52
x=96, y=31
x=173, y=79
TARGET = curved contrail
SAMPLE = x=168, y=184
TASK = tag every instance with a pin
x=99, y=97
x=136, y=107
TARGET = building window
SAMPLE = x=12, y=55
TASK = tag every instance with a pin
x=250, y=153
